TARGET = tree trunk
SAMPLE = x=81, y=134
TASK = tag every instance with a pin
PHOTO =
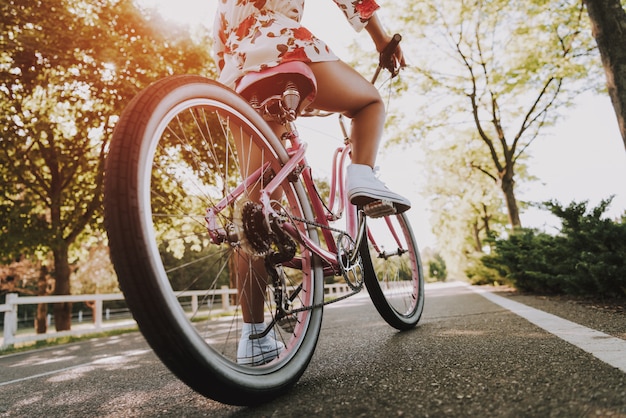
x=487, y=226
x=608, y=24
x=41, y=320
x=507, y=185
x=486, y=218
x=62, y=311
x=478, y=245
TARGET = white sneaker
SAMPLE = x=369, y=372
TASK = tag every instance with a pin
x=258, y=351
x=363, y=188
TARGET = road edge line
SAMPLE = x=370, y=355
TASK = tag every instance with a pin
x=609, y=349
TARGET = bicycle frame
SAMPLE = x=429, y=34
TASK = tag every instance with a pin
x=355, y=220
x=297, y=164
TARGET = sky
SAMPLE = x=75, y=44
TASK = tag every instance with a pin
x=582, y=159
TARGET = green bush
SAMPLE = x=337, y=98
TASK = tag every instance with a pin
x=479, y=273
x=527, y=259
x=437, y=270
x=587, y=257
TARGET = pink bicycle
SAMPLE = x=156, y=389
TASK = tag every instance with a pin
x=185, y=204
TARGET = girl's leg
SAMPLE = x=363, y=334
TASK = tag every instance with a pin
x=251, y=287
x=343, y=89
x=251, y=273
x=252, y=278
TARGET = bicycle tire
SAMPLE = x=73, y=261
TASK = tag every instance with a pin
x=395, y=282
x=160, y=180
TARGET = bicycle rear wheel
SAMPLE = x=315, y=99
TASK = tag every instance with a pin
x=176, y=180
x=393, y=270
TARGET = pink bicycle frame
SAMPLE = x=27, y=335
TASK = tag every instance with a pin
x=338, y=199
x=322, y=216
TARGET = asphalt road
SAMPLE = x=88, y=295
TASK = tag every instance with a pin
x=468, y=357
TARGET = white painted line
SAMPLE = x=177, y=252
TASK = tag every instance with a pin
x=103, y=360
x=609, y=349
x=35, y=376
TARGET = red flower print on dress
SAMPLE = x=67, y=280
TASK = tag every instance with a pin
x=259, y=4
x=302, y=34
x=244, y=29
x=366, y=8
x=253, y=34
x=297, y=54
x=222, y=32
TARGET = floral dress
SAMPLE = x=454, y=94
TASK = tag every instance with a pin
x=250, y=35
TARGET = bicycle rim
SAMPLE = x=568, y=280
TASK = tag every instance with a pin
x=173, y=161
x=393, y=271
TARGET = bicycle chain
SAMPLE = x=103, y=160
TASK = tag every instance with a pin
x=314, y=223
x=340, y=298
x=327, y=302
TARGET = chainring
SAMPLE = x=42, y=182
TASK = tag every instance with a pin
x=352, y=271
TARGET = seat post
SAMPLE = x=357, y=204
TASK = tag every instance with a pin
x=290, y=101
x=283, y=82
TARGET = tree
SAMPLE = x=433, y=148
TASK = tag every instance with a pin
x=95, y=273
x=19, y=276
x=67, y=68
x=466, y=209
x=608, y=23
x=502, y=67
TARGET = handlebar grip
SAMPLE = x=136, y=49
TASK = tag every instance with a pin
x=385, y=59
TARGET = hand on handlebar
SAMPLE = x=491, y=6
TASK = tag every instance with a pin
x=391, y=57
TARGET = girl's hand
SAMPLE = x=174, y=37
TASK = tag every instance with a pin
x=398, y=56
x=381, y=39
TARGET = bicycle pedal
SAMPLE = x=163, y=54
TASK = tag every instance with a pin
x=379, y=208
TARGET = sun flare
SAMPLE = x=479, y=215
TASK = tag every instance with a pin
x=192, y=12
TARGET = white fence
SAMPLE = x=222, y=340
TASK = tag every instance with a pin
x=99, y=324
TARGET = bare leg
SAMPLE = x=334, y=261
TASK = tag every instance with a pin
x=251, y=272
x=251, y=287
x=252, y=277
x=342, y=89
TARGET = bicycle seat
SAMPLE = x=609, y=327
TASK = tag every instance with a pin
x=272, y=81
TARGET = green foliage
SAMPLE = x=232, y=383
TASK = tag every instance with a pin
x=461, y=51
x=596, y=248
x=67, y=69
x=466, y=206
x=588, y=257
x=529, y=260
x=437, y=269
x=479, y=274
x=393, y=268
x=485, y=79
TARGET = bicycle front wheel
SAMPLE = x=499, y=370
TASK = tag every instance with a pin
x=393, y=270
x=186, y=156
